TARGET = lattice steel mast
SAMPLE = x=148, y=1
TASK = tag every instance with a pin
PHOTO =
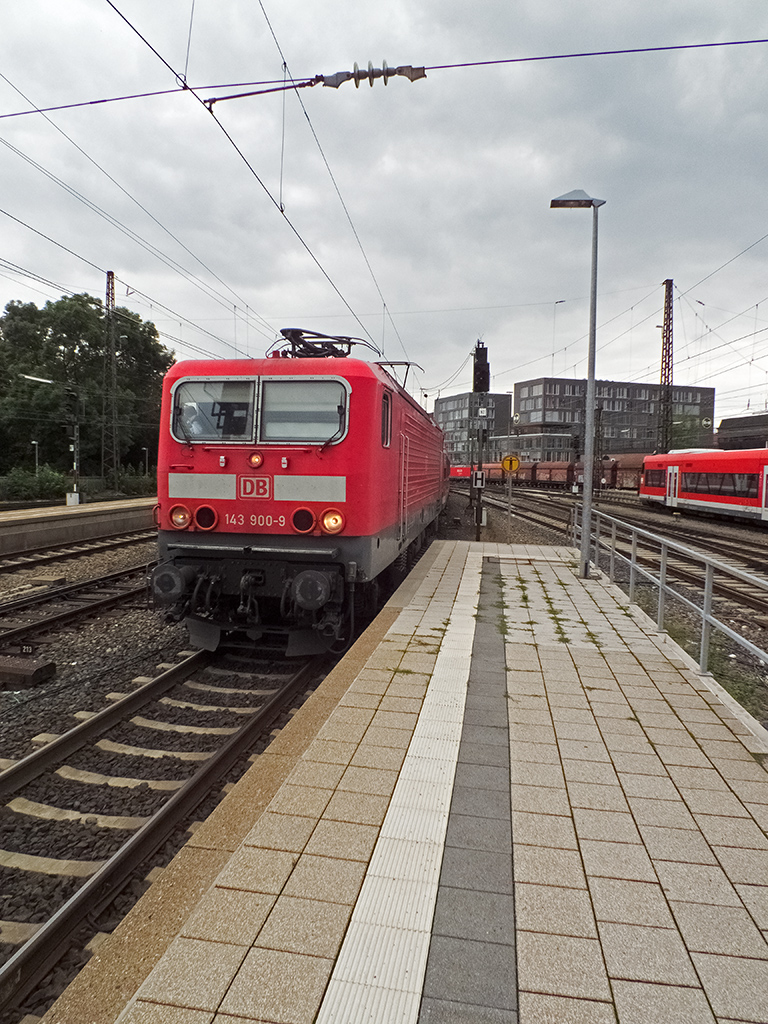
x=665, y=404
x=110, y=440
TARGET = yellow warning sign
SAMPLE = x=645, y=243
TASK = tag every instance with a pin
x=510, y=463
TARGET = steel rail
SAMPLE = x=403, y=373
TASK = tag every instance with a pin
x=42, y=760
x=69, y=589
x=644, y=548
x=718, y=544
x=10, y=561
x=9, y=636
x=20, y=974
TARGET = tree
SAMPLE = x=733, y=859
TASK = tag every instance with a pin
x=66, y=342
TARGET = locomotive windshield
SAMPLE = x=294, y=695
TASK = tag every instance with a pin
x=289, y=410
x=302, y=410
x=214, y=410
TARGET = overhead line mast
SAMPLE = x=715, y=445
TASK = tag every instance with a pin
x=665, y=412
x=110, y=445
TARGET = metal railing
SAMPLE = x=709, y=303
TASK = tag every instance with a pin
x=607, y=531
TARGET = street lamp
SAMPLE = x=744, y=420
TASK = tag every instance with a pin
x=71, y=390
x=146, y=461
x=578, y=199
x=37, y=455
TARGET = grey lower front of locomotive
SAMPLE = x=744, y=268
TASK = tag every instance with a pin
x=216, y=583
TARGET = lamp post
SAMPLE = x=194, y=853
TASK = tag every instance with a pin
x=72, y=393
x=146, y=461
x=37, y=455
x=578, y=199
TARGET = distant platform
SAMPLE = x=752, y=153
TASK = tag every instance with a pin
x=25, y=529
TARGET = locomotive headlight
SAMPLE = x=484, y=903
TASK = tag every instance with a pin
x=332, y=521
x=205, y=517
x=180, y=517
x=255, y=459
x=303, y=520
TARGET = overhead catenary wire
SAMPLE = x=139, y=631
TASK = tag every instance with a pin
x=133, y=199
x=297, y=234
x=276, y=85
x=189, y=39
x=331, y=176
x=177, y=316
x=138, y=239
x=518, y=60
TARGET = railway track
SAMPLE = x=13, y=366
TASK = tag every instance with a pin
x=115, y=787
x=33, y=557
x=67, y=603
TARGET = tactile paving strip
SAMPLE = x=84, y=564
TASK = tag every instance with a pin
x=380, y=969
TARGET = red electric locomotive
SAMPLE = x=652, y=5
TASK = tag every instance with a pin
x=732, y=483
x=286, y=487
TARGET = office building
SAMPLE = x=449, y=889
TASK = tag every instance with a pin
x=627, y=414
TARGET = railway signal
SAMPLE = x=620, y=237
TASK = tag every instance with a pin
x=481, y=376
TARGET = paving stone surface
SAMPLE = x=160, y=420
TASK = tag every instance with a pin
x=525, y=807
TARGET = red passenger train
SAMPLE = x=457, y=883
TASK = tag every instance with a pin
x=287, y=486
x=731, y=483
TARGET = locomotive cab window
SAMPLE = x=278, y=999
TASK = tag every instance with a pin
x=214, y=411
x=303, y=410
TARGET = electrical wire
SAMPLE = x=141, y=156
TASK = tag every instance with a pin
x=189, y=40
x=131, y=96
x=595, y=53
x=447, y=383
x=135, y=237
x=136, y=202
x=250, y=167
x=333, y=181
x=135, y=291
x=313, y=79
x=184, y=87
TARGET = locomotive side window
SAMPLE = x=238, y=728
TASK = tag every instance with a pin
x=386, y=419
x=303, y=410
x=214, y=411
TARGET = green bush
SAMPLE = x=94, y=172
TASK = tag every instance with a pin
x=23, y=485
x=137, y=486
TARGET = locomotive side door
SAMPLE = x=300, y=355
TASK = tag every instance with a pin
x=673, y=478
x=403, y=512
x=764, y=509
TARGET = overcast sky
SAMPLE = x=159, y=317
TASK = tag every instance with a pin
x=417, y=214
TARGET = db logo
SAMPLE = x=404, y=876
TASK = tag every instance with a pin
x=254, y=486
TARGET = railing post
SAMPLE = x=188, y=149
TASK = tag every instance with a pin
x=632, y=567
x=596, y=520
x=706, y=610
x=662, y=585
x=641, y=540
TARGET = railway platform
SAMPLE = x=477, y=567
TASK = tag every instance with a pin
x=25, y=529
x=513, y=802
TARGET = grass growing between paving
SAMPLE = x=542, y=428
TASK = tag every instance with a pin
x=735, y=670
